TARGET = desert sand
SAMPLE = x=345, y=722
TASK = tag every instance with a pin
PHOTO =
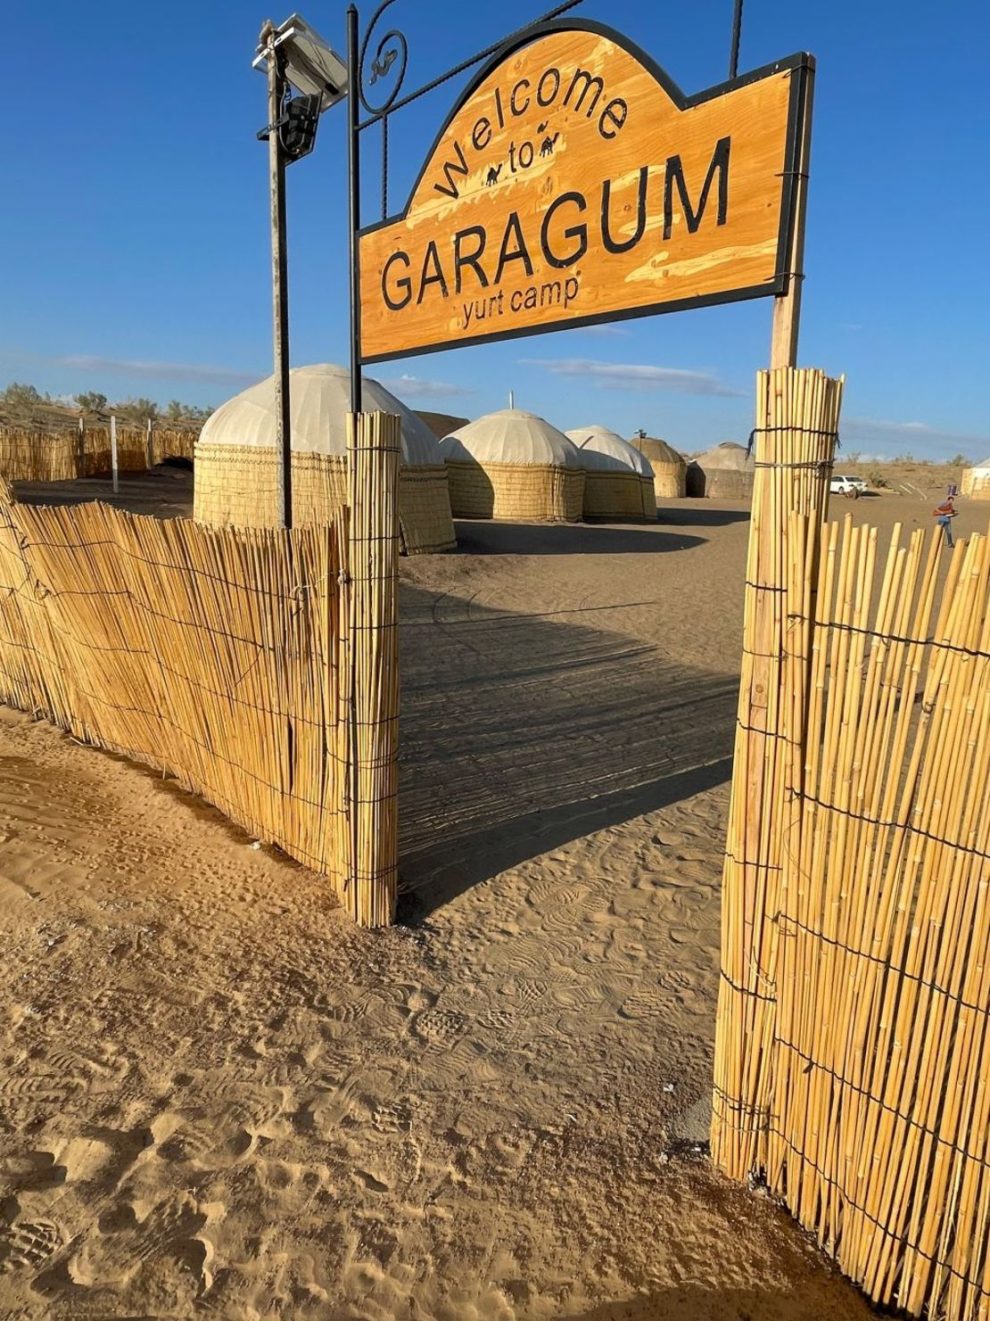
x=219, y=1098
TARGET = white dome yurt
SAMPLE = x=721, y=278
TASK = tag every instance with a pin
x=235, y=466
x=725, y=472
x=618, y=481
x=669, y=467
x=516, y=466
x=976, y=481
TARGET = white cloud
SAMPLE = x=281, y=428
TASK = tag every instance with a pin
x=611, y=332
x=919, y=438
x=635, y=376
x=165, y=371
x=415, y=387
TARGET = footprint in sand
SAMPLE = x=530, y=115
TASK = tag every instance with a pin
x=392, y=1117
x=31, y=1097
x=203, y=1146
x=647, y=1002
x=28, y=1243
x=353, y=1098
x=119, y=1249
x=29, y=1171
x=440, y=1027
x=371, y=1182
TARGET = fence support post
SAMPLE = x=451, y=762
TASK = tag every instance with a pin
x=149, y=444
x=373, y=618
x=797, y=421
x=113, y=452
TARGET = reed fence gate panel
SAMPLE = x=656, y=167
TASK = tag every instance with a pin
x=853, y=1021
x=257, y=667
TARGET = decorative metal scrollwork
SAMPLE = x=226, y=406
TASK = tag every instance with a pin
x=388, y=65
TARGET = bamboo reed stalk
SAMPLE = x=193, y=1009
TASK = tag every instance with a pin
x=373, y=692
x=796, y=427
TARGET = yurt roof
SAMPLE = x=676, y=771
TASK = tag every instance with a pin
x=658, y=451
x=606, y=451
x=441, y=424
x=319, y=401
x=511, y=436
x=980, y=467
x=726, y=455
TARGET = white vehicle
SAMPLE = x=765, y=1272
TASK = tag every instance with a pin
x=851, y=487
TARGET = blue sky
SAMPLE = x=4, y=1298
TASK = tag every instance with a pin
x=134, y=224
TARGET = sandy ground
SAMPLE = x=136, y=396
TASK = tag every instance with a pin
x=217, y=1097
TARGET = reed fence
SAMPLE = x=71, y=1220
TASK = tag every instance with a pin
x=853, y=1048
x=62, y=456
x=257, y=667
x=797, y=420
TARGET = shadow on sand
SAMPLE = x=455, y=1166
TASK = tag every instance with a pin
x=479, y=537
x=699, y=514
x=520, y=734
x=692, y=1302
x=165, y=491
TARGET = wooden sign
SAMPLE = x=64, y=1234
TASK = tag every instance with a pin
x=574, y=184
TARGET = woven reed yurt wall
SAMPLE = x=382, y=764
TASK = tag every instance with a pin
x=727, y=484
x=524, y=493
x=618, y=482
x=873, y=1090
x=237, y=485
x=669, y=467
x=257, y=667
x=624, y=495
x=975, y=482
x=721, y=473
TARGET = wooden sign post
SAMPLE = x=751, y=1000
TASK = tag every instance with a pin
x=787, y=305
x=574, y=184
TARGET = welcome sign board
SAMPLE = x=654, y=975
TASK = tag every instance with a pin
x=573, y=184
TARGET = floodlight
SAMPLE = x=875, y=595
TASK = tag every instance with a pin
x=310, y=64
x=297, y=127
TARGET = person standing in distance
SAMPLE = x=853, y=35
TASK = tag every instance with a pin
x=944, y=514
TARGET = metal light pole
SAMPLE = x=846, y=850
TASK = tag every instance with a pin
x=292, y=54
x=280, y=281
